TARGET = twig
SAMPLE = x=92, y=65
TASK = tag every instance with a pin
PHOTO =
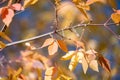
x=52, y=32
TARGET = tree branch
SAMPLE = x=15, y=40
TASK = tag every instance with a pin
x=53, y=32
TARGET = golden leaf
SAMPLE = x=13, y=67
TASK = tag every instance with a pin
x=73, y=62
x=3, y=35
x=62, y=45
x=68, y=55
x=2, y=45
x=29, y=2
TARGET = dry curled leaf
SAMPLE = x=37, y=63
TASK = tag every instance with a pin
x=104, y=63
x=62, y=45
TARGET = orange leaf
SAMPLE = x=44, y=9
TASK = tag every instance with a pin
x=104, y=63
x=47, y=42
x=53, y=48
x=6, y=15
x=62, y=45
x=116, y=16
x=3, y=35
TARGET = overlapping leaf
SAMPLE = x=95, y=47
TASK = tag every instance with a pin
x=7, y=13
x=53, y=45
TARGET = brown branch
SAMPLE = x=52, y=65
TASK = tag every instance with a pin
x=53, y=32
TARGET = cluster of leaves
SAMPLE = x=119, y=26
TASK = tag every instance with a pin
x=32, y=60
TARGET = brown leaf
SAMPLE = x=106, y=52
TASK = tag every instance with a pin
x=47, y=42
x=94, y=65
x=62, y=45
x=104, y=63
x=3, y=35
x=68, y=55
x=2, y=45
x=53, y=48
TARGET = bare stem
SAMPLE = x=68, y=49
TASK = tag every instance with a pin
x=52, y=32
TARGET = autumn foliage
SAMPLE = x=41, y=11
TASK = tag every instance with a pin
x=51, y=57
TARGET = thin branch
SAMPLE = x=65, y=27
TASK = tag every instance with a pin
x=52, y=32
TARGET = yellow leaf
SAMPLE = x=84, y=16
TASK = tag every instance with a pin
x=3, y=35
x=29, y=2
x=2, y=45
x=53, y=48
x=94, y=65
x=83, y=12
x=84, y=65
x=62, y=45
x=68, y=55
x=73, y=63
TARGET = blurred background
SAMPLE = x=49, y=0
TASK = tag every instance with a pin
x=39, y=19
